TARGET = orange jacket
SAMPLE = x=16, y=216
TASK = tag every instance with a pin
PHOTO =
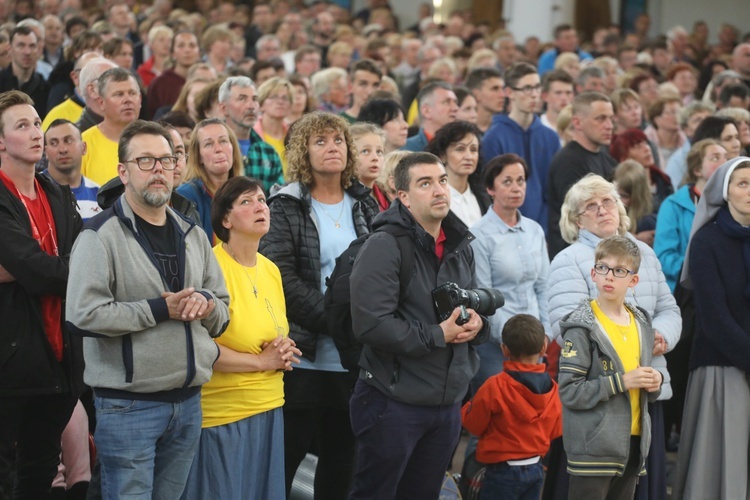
x=512, y=420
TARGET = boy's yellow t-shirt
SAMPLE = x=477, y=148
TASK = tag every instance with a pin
x=231, y=397
x=627, y=344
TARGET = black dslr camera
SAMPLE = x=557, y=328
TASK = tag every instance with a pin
x=484, y=301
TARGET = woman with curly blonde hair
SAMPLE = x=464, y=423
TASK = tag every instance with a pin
x=313, y=220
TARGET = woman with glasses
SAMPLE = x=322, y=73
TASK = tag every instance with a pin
x=243, y=424
x=214, y=157
x=275, y=97
x=592, y=211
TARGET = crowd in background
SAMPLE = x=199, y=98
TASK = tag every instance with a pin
x=281, y=91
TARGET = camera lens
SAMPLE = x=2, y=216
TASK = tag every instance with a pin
x=485, y=301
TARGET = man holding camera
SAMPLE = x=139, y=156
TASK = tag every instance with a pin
x=405, y=410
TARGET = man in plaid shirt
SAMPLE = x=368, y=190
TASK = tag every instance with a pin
x=238, y=101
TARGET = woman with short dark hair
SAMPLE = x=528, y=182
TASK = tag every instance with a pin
x=389, y=115
x=457, y=146
x=242, y=417
x=510, y=253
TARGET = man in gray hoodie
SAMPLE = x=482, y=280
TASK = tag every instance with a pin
x=148, y=296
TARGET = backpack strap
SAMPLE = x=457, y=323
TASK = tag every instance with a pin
x=405, y=241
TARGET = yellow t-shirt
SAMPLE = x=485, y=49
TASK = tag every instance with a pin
x=100, y=161
x=230, y=397
x=412, y=114
x=278, y=145
x=627, y=344
x=68, y=110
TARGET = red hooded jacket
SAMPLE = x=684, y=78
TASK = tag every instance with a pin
x=513, y=421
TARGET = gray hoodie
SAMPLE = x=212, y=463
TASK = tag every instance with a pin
x=114, y=301
x=596, y=405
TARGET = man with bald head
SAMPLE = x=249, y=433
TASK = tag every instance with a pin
x=71, y=108
x=93, y=112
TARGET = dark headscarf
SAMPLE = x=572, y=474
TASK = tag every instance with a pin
x=713, y=198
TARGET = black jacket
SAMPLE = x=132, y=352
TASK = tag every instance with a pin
x=88, y=119
x=405, y=355
x=293, y=244
x=36, y=88
x=27, y=363
x=60, y=83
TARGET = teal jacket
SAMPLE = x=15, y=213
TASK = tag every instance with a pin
x=672, y=236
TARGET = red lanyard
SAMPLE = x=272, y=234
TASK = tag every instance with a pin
x=35, y=232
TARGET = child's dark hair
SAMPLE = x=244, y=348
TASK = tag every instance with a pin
x=523, y=335
x=619, y=247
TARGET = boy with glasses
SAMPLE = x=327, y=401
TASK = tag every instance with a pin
x=606, y=379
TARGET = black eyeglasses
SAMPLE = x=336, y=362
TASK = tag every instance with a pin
x=147, y=163
x=528, y=89
x=617, y=272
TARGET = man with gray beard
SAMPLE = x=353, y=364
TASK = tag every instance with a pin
x=148, y=296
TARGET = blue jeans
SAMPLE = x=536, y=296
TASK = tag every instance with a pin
x=522, y=482
x=145, y=448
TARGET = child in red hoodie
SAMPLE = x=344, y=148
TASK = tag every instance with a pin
x=516, y=414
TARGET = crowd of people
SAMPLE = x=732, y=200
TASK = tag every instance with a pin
x=180, y=178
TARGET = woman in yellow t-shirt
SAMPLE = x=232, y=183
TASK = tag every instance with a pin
x=241, y=448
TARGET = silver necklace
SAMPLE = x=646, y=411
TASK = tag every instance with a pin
x=255, y=288
x=341, y=212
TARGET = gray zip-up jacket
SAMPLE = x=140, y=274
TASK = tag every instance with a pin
x=596, y=405
x=114, y=301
